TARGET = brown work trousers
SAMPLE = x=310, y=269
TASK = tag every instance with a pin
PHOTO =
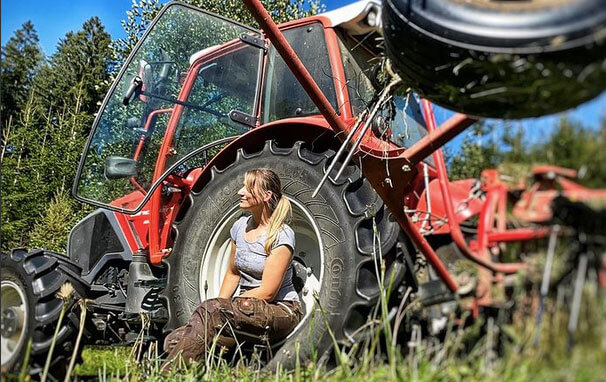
x=238, y=320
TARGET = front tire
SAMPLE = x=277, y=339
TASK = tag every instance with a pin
x=334, y=230
x=30, y=309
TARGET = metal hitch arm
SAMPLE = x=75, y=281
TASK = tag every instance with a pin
x=388, y=171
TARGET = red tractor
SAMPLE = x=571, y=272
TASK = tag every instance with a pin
x=200, y=101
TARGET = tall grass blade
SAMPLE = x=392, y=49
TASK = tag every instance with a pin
x=65, y=294
x=25, y=364
x=72, y=361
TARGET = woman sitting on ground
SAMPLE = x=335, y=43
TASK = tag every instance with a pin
x=267, y=308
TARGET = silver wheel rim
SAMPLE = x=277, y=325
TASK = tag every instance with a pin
x=14, y=313
x=309, y=249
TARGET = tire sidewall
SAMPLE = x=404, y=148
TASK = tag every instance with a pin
x=487, y=78
x=525, y=29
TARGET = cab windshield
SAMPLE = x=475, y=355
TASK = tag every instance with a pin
x=180, y=87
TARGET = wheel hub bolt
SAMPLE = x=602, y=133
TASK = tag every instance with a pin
x=309, y=271
x=9, y=322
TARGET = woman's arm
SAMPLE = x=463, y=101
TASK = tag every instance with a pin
x=232, y=277
x=276, y=266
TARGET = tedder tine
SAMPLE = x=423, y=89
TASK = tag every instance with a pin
x=545, y=282
x=339, y=153
x=576, y=299
x=384, y=93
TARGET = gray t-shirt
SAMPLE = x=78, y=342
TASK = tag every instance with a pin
x=250, y=258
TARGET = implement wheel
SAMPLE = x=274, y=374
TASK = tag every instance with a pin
x=500, y=59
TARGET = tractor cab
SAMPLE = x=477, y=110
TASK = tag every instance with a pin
x=196, y=81
x=197, y=87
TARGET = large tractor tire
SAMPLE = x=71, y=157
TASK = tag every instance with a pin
x=30, y=309
x=334, y=244
x=501, y=59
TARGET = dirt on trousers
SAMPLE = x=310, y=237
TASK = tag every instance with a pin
x=240, y=319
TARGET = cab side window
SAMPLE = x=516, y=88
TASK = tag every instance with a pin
x=222, y=85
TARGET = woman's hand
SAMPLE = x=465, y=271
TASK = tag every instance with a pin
x=232, y=277
x=276, y=265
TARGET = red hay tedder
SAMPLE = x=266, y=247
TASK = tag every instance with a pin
x=534, y=205
x=203, y=99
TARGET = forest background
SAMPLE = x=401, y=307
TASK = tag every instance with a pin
x=48, y=104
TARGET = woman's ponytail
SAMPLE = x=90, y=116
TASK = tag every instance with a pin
x=281, y=214
x=259, y=181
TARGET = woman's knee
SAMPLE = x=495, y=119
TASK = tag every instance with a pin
x=213, y=305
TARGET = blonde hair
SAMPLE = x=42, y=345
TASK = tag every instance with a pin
x=259, y=181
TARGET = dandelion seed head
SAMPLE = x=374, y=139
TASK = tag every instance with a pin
x=66, y=291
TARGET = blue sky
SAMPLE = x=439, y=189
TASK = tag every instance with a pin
x=53, y=19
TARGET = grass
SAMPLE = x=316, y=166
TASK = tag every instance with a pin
x=114, y=359
x=480, y=352
x=472, y=353
x=427, y=361
x=489, y=349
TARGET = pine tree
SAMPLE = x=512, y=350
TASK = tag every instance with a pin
x=19, y=193
x=574, y=146
x=596, y=169
x=78, y=73
x=516, y=149
x=56, y=221
x=570, y=145
x=478, y=152
x=21, y=55
x=42, y=154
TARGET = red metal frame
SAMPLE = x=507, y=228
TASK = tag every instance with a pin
x=154, y=221
x=150, y=118
x=379, y=162
x=480, y=254
x=436, y=223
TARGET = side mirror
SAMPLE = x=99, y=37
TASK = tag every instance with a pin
x=139, y=83
x=135, y=86
x=119, y=167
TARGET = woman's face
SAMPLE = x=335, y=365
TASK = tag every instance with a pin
x=248, y=200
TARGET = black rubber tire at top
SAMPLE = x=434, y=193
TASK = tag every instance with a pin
x=40, y=276
x=342, y=211
x=501, y=59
